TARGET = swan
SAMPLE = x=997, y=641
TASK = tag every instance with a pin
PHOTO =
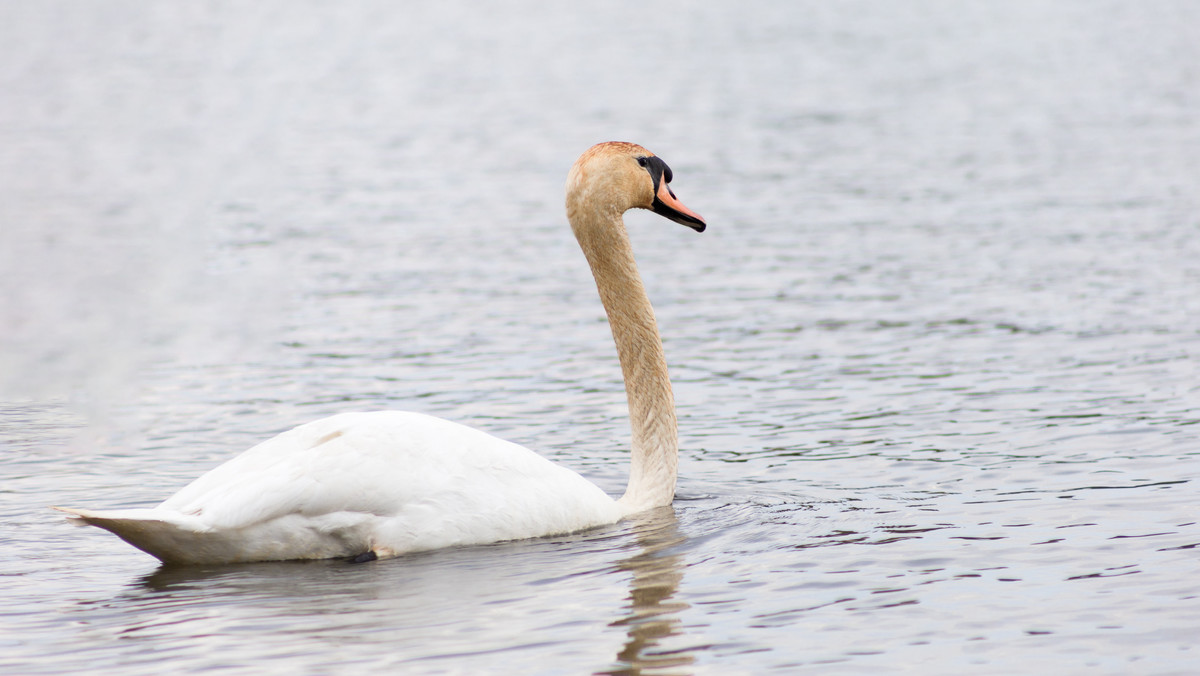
x=378, y=484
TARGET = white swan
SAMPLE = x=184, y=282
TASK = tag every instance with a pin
x=373, y=485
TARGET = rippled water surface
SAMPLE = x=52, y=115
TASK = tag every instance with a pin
x=935, y=358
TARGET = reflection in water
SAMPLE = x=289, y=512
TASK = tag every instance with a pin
x=653, y=616
x=274, y=576
x=335, y=604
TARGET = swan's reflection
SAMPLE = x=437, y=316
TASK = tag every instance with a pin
x=332, y=601
x=653, y=615
x=272, y=577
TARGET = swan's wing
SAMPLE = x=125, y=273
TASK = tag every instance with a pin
x=415, y=474
x=312, y=469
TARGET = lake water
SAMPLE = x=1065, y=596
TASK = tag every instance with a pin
x=935, y=359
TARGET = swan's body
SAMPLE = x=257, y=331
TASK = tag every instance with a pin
x=387, y=482
x=391, y=482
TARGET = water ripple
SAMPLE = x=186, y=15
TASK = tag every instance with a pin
x=935, y=358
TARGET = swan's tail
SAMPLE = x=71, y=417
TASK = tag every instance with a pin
x=170, y=537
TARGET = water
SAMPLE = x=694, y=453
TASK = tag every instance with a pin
x=935, y=358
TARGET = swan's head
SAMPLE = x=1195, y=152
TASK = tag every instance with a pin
x=618, y=176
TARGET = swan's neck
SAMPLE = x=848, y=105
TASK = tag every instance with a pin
x=655, y=447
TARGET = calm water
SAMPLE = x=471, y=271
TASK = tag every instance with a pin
x=935, y=358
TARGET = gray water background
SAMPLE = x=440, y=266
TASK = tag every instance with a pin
x=935, y=358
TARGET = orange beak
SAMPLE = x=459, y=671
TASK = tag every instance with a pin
x=668, y=205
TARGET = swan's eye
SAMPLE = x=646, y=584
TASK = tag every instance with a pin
x=643, y=161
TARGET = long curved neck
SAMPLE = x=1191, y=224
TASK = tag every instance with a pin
x=655, y=447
